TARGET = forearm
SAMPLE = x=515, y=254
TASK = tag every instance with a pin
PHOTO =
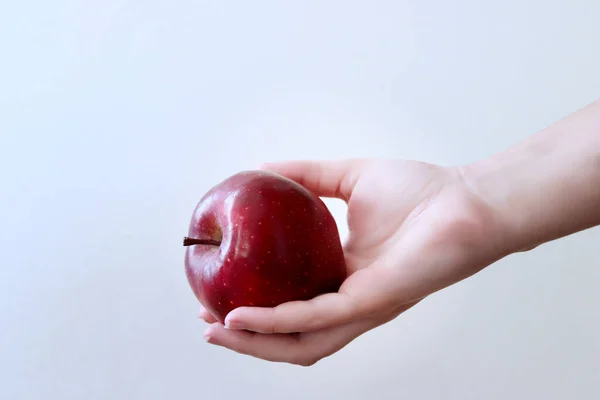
x=546, y=187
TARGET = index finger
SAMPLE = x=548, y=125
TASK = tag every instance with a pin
x=333, y=178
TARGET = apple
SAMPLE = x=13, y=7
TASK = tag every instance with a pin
x=260, y=239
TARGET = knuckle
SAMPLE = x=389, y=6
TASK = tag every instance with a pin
x=274, y=324
x=306, y=361
x=305, y=358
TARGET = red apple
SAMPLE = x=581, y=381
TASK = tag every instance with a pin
x=260, y=239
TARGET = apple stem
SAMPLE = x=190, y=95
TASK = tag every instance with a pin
x=187, y=241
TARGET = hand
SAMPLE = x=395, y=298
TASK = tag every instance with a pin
x=414, y=228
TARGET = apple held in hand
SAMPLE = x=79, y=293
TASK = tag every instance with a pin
x=259, y=239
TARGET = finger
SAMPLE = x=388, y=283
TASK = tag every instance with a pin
x=303, y=349
x=324, y=178
x=323, y=343
x=324, y=311
x=206, y=316
x=277, y=348
x=363, y=294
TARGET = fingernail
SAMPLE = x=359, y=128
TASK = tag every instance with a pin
x=207, y=338
x=237, y=325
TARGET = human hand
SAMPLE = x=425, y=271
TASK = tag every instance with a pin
x=414, y=228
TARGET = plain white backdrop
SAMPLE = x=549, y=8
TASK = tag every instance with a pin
x=116, y=116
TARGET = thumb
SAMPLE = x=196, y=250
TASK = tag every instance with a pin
x=324, y=178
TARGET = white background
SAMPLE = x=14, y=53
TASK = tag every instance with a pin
x=117, y=115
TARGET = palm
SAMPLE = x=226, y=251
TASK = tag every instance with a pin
x=411, y=228
x=384, y=197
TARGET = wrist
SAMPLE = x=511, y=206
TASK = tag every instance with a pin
x=489, y=181
x=546, y=187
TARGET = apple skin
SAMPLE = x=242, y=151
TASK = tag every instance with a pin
x=266, y=240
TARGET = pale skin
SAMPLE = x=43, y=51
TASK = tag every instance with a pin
x=417, y=228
